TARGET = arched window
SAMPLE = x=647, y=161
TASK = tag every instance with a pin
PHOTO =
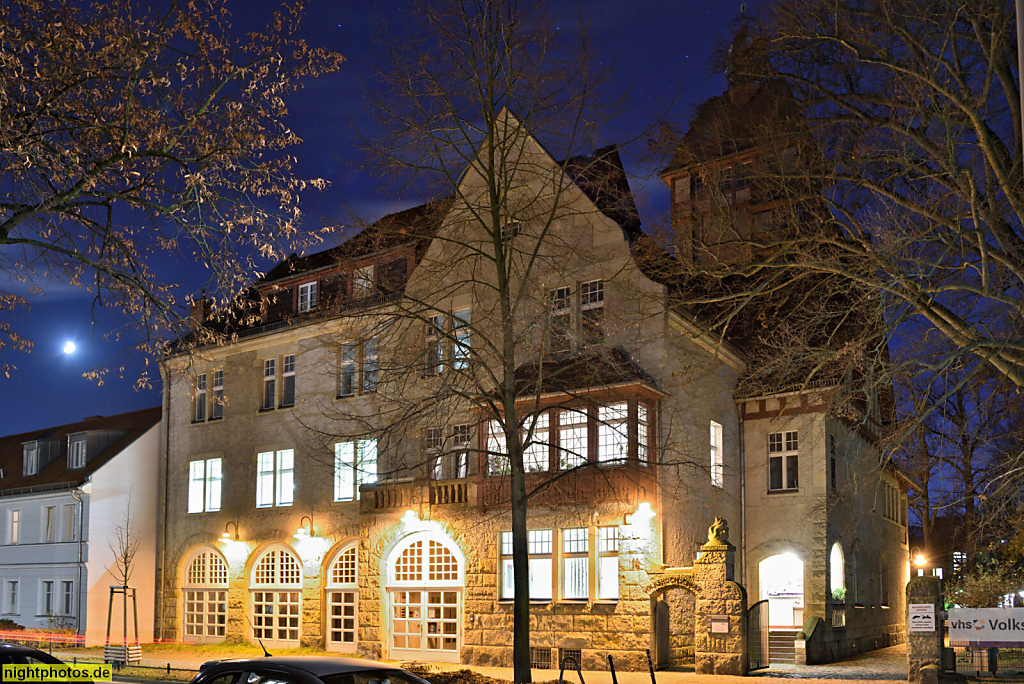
x=343, y=600
x=276, y=593
x=205, y=595
x=837, y=573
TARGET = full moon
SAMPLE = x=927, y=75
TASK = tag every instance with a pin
x=69, y=347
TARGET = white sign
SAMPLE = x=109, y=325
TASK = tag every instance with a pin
x=921, y=617
x=719, y=624
x=986, y=627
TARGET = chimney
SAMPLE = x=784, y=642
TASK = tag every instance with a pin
x=199, y=311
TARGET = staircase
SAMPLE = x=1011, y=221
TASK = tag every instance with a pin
x=780, y=646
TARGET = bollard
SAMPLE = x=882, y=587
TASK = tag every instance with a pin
x=611, y=666
x=650, y=666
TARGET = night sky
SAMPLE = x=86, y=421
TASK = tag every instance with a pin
x=657, y=50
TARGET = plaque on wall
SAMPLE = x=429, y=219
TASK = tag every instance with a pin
x=719, y=624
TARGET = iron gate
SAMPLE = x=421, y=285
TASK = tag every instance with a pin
x=757, y=636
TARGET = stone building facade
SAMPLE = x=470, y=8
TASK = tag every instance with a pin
x=300, y=509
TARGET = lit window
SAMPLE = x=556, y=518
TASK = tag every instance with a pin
x=641, y=434
x=355, y=463
x=343, y=601
x=458, y=460
x=539, y=547
x=612, y=436
x=288, y=381
x=269, y=384
x=70, y=522
x=76, y=451
x=217, y=406
x=717, y=458
x=276, y=597
x=435, y=344
x=49, y=523
x=572, y=439
x=461, y=351
x=497, y=451
x=307, y=296
x=782, y=461
x=433, y=442
x=275, y=478
x=608, y=563
x=30, y=459
x=535, y=457
x=13, y=527
x=370, y=366
x=348, y=370
x=575, y=563
x=592, y=311
x=363, y=282
x=204, y=485
x=200, y=398
x=205, y=596
x=560, y=320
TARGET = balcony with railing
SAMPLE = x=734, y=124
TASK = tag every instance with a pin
x=390, y=495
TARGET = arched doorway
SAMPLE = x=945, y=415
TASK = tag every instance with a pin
x=781, y=578
x=424, y=581
x=275, y=591
x=205, y=597
x=343, y=600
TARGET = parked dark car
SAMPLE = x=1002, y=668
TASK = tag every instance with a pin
x=303, y=670
x=16, y=654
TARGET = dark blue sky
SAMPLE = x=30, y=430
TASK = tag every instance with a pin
x=657, y=51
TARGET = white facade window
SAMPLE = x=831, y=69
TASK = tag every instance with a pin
x=783, y=461
x=30, y=459
x=370, y=365
x=11, y=597
x=275, y=478
x=343, y=601
x=575, y=563
x=14, y=527
x=355, y=463
x=71, y=522
x=307, y=296
x=269, y=384
x=592, y=311
x=540, y=546
x=77, y=445
x=200, y=398
x=463, y=339
x=276, y=591
x=363, y=282
x=204, y=485
x=497, y=450
x=67, y=598
x=217, y=405
x=612, y=434
x=288, y=380
x=717, y=458
x=560, y=320
x=572, y=439
x=642, y=434
x=435, y=344
x=347, y=370
x=535, y=457
x=433, y=443
x=49, y=523
x=46, y=597
x=205, y=593
x=608, y=563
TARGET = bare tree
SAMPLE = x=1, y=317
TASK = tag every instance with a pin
x=135, y=134
x=124, y=546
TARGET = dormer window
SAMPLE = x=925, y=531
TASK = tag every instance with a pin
x=76, y=451
x=363, y=282
x=307, y=297
x=30, y=459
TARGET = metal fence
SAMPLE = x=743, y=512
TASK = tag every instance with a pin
x=985, y=662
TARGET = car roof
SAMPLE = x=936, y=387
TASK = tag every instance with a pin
x=314, y=665
x=20, y=648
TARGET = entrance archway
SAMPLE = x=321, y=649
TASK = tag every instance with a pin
x=424, y=581
x=781, y=579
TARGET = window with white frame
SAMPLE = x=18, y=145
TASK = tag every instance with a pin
x=14, y=526
x=204, y=485
x=355, y=463
x=71, y=522
x=592, y=311
x=783, y=461
x=343, y=601
x=612, y=433
x=540, y=547
x=205, y=593
x=642, y=434
x=497, y=450
x=560, y=320
x=363, y=282
x=575, y=563
x=608, y=563
x=462, y=346
x=275, y=478
x=458, y=459
x=67, y=597
x=199, y=400
x=276, y=591
x=269, y=384
x=433, y=441
x=11, y=597
x=288, y=380
x=46, y=597
x=535, y=457
x=572, y=438
x=347, y=366
x=510, y=229
x=307, y=296
x=370, y=365
x=30, y=459
x=49, y=524
x=717, y=458
x=217, y=404
x=435, y=344
x=77, y=445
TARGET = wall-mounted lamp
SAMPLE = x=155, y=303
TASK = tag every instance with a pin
x=226, y=537
x=644, y=513
x=302, y=532
x=410, y=519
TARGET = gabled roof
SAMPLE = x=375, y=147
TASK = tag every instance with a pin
x=55, y=474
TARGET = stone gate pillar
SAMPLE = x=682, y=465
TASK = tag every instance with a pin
x=720, y=624
x=924, y=630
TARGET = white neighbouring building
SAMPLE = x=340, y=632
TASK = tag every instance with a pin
x=64, y=491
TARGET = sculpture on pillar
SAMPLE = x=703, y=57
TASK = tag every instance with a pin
x=718, y=533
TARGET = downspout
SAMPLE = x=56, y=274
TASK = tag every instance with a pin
x=76, y=495
x=743, y=499
x=161, y=537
